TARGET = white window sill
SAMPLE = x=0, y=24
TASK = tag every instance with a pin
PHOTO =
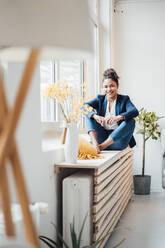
x=51, y=140
x=52, y=144
x=51, y=137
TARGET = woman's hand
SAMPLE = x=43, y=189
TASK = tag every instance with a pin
x=99, y=119
x=112, y=119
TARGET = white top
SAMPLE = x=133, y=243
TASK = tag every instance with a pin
x=108, y=113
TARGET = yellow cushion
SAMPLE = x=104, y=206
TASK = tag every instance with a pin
x=85, y=147
x=86, y=150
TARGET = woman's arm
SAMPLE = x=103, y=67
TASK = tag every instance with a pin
x=112, y=119
x=131, y=110
x=99, y=119
x=94, y=103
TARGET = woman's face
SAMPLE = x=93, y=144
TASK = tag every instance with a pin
x=110, y=88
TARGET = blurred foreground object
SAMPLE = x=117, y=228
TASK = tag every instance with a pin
x=61, y=25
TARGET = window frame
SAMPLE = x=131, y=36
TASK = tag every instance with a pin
x=57, y=122
x=95, y=18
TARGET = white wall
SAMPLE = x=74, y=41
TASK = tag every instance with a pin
x=38, y=166
x=139, y=58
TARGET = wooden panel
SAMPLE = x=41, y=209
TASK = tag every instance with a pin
x=110, y=205
x=126, y=174
x=110, y=187
x=118, y=156
x=98, y=179
x=111, y=195
x=115, y=221
x=106, y=208
x=99, y=229
x=109, y=218
x=98, y=188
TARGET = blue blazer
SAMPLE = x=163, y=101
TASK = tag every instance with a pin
x=124, y=107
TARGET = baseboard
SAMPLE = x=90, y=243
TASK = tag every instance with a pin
x=157, y=190
x=154, y=190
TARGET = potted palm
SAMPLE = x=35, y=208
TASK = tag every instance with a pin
x=149, y=129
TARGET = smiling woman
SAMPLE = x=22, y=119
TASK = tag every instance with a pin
x=110, y=124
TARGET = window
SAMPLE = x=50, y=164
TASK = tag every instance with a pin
x=92, y=68
x=51, y=72
x=73, y=71
x=93, y=6
x=47, y=76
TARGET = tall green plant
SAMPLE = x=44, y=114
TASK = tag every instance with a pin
x=76, y=239
x=149, y=128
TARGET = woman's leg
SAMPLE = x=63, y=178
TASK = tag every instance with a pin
x=120, y=137
x=97, y=131
x=119, y=144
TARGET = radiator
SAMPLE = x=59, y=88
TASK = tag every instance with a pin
x=102, y=189
x=77, y=203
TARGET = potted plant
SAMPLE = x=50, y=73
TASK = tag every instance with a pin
x=75, y=238
x=149, y=129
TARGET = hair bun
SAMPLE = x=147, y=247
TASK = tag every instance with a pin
x=111, y=73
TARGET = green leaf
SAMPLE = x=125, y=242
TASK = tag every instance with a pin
x=80, y=234
x=159, y=134
x=141, y=131
x=148, y=124
x=99, y=241
x=119, y=243
x=160, y=117
x=60, y=236
x=48, y=241
x=75, y=243
x=73, y=235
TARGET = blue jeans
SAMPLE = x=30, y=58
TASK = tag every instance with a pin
x=121, y=135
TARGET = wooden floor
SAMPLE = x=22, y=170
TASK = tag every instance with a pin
x=142, y=224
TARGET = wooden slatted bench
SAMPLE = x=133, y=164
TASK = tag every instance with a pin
x=112, y=180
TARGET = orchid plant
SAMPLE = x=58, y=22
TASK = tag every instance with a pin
x=70, y=100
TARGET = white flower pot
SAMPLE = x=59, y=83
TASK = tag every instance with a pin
x=71, y=143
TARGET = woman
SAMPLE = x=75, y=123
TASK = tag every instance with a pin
x=111, y=122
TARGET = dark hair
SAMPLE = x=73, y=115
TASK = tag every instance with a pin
x=111, y=73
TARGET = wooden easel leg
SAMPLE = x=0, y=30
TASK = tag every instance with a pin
x=12, y=119
x=7, y=136
x=4, y=187
x=30, y=231
x=6, y=206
